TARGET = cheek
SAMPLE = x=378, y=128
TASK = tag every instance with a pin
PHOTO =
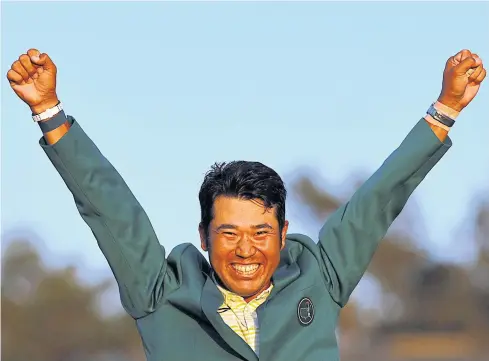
x=272, y=250
x=219, y=254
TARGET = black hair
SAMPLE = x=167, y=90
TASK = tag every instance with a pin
x=245, y=180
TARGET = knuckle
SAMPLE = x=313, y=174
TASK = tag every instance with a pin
x=23, y=57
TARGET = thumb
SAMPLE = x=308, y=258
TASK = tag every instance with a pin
x=43, y=60
x=466, y=64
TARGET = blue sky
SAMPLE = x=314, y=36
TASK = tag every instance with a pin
x=165, y=89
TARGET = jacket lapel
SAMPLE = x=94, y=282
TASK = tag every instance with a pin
x=210, y=302
x=288, y=270
x=271, y=317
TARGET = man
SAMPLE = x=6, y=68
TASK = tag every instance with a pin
x=266, y=294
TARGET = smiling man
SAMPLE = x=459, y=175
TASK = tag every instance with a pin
x=266, y=294
x=243, y=225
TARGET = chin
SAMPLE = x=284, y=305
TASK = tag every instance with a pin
x=247, y=288
x=247, y=292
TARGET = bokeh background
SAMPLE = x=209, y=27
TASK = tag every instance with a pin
x=322, y=92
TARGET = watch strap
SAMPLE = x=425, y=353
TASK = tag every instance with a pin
x=53, y=123
x=440, y=117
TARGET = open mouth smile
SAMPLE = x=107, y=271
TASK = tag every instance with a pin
x=245, y=270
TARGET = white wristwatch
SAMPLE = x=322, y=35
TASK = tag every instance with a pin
x=48, y=113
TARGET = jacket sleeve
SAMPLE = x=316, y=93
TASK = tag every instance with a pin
x=117, y=220
x=350, y=236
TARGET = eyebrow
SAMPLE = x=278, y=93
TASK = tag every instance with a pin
x=232, y=226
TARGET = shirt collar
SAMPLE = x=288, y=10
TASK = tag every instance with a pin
x=232, y=298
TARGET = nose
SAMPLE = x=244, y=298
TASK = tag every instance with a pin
x=245, y=248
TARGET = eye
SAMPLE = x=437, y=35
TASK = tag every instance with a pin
x=262, y=233
x=229, y=233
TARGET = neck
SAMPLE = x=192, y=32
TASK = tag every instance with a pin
x=247, y=299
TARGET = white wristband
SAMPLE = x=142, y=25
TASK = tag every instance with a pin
x=48, y=113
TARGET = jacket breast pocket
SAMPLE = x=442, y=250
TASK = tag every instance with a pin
x=305, y=318
x=300, y=310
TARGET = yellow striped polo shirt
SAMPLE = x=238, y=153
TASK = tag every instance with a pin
x=241, y=316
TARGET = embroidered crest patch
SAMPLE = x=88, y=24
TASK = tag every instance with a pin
x=305, y=311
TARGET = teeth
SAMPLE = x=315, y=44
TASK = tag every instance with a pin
x=248, y=269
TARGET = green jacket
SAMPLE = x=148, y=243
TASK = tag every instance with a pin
x=173, y=298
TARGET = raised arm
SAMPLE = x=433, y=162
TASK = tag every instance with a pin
x=119, y=223
x=352, y=233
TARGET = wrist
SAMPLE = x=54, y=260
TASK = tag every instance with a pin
x=441, y=118
x=446, y=110
x=453, y=106
x=45, y=105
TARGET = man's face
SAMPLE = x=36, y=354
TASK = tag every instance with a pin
x=244, y=244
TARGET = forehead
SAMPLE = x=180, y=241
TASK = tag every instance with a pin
x=241, y=212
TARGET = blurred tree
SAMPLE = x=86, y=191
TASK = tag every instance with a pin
x=48, y=315
x=481, y=274
x=430, y=295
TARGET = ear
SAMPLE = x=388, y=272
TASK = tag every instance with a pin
x=203, y=238
x=284, y=234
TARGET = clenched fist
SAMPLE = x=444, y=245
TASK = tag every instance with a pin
x=33, y=79
x=463, y=75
